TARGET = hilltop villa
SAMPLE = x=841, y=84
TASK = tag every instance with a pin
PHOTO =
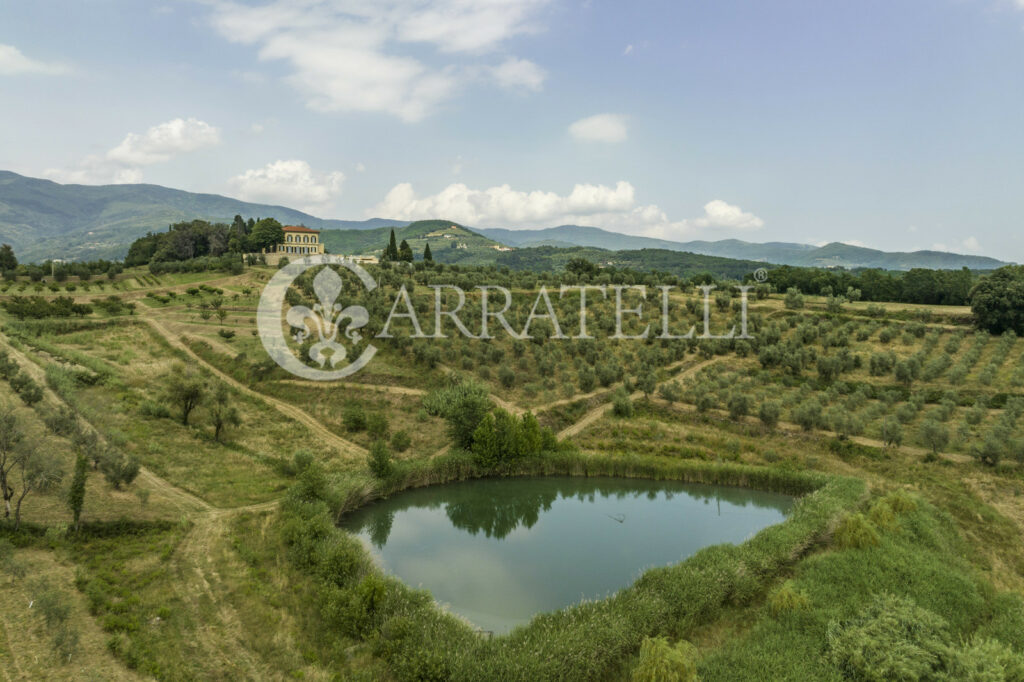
x=298, y=241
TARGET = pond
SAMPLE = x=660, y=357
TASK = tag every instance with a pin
x=499, y=551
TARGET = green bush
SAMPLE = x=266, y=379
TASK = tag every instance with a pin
x=855, y=532
x=787, y=598
x=662, y=662
x=379, y=459
x=622, y=406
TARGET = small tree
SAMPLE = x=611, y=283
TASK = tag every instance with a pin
x=892, y=433
x=40, y=471
x=671, y=392
x=76, y=492
x=622, y=406
x=935, y=435
x=427, y=256
x=379, y=459
x=185, y=390
x=769, y=413
x=405, y=252
x=794, y=299
x=646, y=382
x=739, y=405
x=118, y=468
x=222, y=413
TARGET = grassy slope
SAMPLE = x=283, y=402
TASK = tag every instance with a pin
x=194, y=599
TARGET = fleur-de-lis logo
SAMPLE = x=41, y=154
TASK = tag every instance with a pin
x=327, y=317
x=328, y=321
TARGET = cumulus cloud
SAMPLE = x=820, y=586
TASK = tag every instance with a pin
x=290, y=183
x=355, y=56
x=613, y=208
x=600, y=128
x=971, y=244
x=13, y=62
x=519, y=74
x=720, y=214
x=164, y=141
x=122, y=164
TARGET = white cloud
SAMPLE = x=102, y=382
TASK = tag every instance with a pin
x=164, y=141
x=600, y=128
x=13, y=63
x=612, y=208
x=354, y=56
x=95, y=170
x=971, y=244
x=519, y=74
x=627, y=51
x=290, y=183
x=122, y=164
x=720, y=214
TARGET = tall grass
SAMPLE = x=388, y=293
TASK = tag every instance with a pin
x=583, y=642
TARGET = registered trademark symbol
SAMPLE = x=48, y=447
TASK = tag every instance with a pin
x=761, y=275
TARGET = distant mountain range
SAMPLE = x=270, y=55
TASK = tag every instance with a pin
x=835, y=254
x=43, y=219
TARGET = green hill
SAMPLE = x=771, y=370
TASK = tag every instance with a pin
x=449, y=242
x=43, y=219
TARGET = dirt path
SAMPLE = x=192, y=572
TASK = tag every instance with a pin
x=602, y=409
x=343, y=446
x=397, y=390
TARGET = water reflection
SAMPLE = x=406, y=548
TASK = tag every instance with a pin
x=498, y=551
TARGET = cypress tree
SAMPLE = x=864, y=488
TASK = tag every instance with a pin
x=391, y=253
x=427, y=256
x=405, y=252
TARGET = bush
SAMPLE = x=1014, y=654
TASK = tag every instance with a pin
x=379, y=459
x=662, y=662
x=769, y=413
x=855, y=532
x=622, y=406
x=151, y=408
x=353, y=417
x=400, y=441
x=377, y=425
x=787, y=598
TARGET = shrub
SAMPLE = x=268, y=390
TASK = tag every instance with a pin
x=787, y=598
x=377, y=425
x=353, y=417
x=855, y=532
x=379, y=459
x=400, y=441
x=622, y=406
x=662, y=662
x=151, y=408
x=769, y=413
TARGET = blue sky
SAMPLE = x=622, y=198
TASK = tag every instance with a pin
x=897, y=124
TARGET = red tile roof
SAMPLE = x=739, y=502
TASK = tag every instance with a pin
x=299, y=228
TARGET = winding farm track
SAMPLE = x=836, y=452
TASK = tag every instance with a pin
x=344, y=447
x=603, y=409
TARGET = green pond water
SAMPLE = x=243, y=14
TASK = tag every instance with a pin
x=499, y=551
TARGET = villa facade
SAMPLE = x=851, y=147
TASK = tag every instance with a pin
x=298, y=241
